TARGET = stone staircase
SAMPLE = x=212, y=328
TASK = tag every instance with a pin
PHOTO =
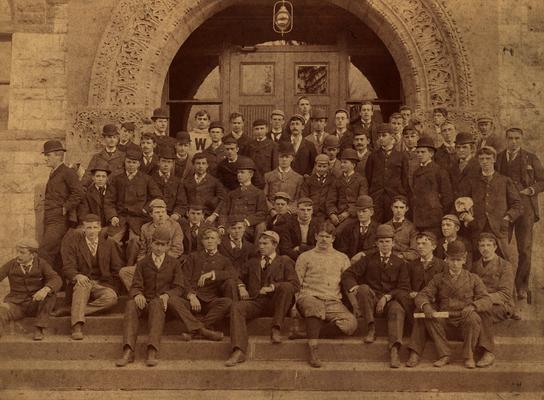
x=59, y=364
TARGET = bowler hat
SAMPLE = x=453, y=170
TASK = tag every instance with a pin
x=427, y=142
x=431, y=236
x=51, y=146
x=331, y=141
x=286, y=148
x=299, y=117
x=167, y=152
x=319, y=114
x=101, y=165
x=271, y=234
x=487, y=235
x=464, y=138
x=134, y=154
x=91, y=218
x=161, y=234
x=349, y=154
x=28, y=243
x=259, y=122
x=277, y=112
x=157, y=203
x=322, y=158
x=196, y=206
x=216, y=124
x=456, y=249
x=385, y=231
x=109, y=130
x=129, y=126
x=305, y=200
x=246, y=163
x=160, y=113
x=385, y=128
x=364, y=202
x=183, y=137
x=453, y=218
x=282, y=195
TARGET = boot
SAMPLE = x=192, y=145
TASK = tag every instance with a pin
x=314, y=360
x=275, y=335
x=442, y=361
x=211, y=335
x=38, y=334
x=236, y=357
x=486, y=361
x=413, y=360
x=151, y=357
x=370, y=336
x=394, y=357
x=469, y=363
x=77, y=331
x=128, y=357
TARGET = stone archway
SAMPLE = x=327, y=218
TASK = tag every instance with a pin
x=143, y=37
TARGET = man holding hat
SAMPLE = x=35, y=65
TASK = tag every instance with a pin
x=215, y=152
x=32, y=284
x=387, y=174
x=277, y=131
x=91, y=264
x=461, y=293
x=487, y=135
x=367, y=124
x=93, y=200
x=298, y=233
x=63, y=193
x=319, y=123
x=111, y=154
x=527, y=173
x=183, y=164
x=432, y=195
x=246, y=201
x=450, y=227
x=305, y=152
x=263, y=151
x=467, y=165
x=271, y=284
x=126, y=137
x=376, y=284
x=283, y=178
x=331, y=148
x=317, y=185
x=171, y=187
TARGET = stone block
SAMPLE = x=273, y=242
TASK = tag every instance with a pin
x=26, y=93
x=14, y=183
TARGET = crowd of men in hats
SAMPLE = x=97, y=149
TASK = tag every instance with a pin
x=397, y=220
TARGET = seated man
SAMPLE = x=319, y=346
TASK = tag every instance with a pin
x=192, y=227
x=405, y=232
x=376, y=284
x=280, y=212
x=246, y=201
x=160, y=219
x=317, y=185
x=298, y=233
x=93, y=199
x=271, y=285
x=212, y=280
x=32, y=283
x=158, y=287
x=331, y=148
x=464, y=295
x=421, y=271
x=497, y=275
x=227, y=170
x=91, y=263
x=233, y=244
x=320, y=300
x=450, y=233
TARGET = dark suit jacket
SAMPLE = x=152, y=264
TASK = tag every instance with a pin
x=345, y=141
x=152, y=166
x=440, y=252
x=77, y=259
x=493, y=140
x=317, y=191
x=282, y=269
x=371, y=132
x=209, y=192
x=152, y=282
x=420, y=277
x=214, y=157
x=93, y=203
x=350, y=241
x=304, y=158
x=115, y=160
x=243, y=143
x=249, y=203
x=191, y=244
x=532, y=174
x=227, y=174
x=387, y=174
x=392, y=279
x=458, y=177
x=264, y=154
x=183, y=168
x=446, y=160
x=344, y=193
x=285, y=136
x=432, y=195
x=290, y=237
x=498, y=278
x=173, y=193
x=63, y=189
x=237, y=257
x=200, y=262
x=23, y=286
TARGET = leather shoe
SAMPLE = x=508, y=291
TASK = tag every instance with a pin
x=469, y=363
x=275, y=335
x=77, y=331
x=236, y=357
x=486, y=360
x=151, y=357
x=442, y=361
x=128, y=357
x=38, y=334
x=413, y=360
x=394, y=357
x=211, y=335
x=314, y=360
x=293, y=335
x=370, y=336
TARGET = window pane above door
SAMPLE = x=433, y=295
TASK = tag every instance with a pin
x=257, y=79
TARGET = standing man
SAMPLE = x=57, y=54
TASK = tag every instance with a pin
x=199, y=134
x=360, y=144
x=467, y=165
x=126, y=138
x=305, y=152
x=376, y=285
x=160, y=120
x=111, y=154
x=331, y=148
x=183, y=165
x=367, y=124
x=487, y=135
x=342, y=130
x=525, y=170
x=91, y=263
x=304, y=109
x=406, y=113
x=271, y=285
x=277, y=132
x=404, y=241
x=319, y=123
x=410, y=137
x=263, y=151
x=317, y=186
x=150, y=159
x=227, y=170
x=445, y=155
x=298, y=233
x=320, y=299
x=440, y=115
x=32, y=284
x=63, y=193
x=283, y=178
x=215, y=152
x=237, y=132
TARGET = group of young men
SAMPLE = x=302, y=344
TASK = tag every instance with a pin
x=371, y=219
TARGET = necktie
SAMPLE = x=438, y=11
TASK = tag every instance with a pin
x=266, y=262
x=237, y=246
x=384, y=260
x=363, y=230
x=26, y=268
x=165, y=178
x=194, y=230
x=396, y=225
x=511, y=156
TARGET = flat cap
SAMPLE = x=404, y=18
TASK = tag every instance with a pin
x=160, y=113
x=109, y=130
x=487, y=150
x=282, y=195
x=349, y=154
x=259, y=122
x=167, y=152
x=196, y=206
x=297, y=117
x=129, y=126
x=208, y=229
x=305, y=200
x=322, y=158
x=230, y=140
x=484, y=118
x=453, y=218
x=331, y=141
x=286, y=148
x=341, y=110
x=246, y=163
x=233, y=219
x=427, y=142
x=161, y=234
x=319, y=114
x=51, y=146
x=216, y=125
x=91, y=218
x=183, y=137
x=364, y=202
x=487, y=236
x=431, y=236
x=277, y=112
x=134, y=154
x=28, y=243
x=101, y=165
x=465, y=138
x=385, y=231
x=271, y=234
x=157, y=203
x=456, y=249
x=401, y=198
x=385, y=128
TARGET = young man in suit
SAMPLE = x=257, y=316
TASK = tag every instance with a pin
x=32, y=283
x=280, y=212
x=404, y=243
x=227, y=170
x=317, y=186
x=298, y=233
x=305, y=152
x=233, y=244
x=215, y=152
x=203, y=188
x=342, y=130
x=93, y=201
x=192, y=227
x=319, y=123
x=304, y=108
x=271, y=286
x=410, y=137
x=277, y=132
x=445, y=155
x=367, y=124
x=160, y=120
x=236, y=121
x=111, y=154
x=376, y=285
x=467, y=165
x=360, y=144
x=331, y=148
x=91, y=264
x=126, y=138
x=150, y=158
x=487, y=136
x=63, y=193
x=450, y=226
x=421, y=271
x=461, y=293
x=525, y=170
x=183, y=165
x=263, y=151
x=283, y=178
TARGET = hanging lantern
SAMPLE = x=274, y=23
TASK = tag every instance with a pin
x=282, y=17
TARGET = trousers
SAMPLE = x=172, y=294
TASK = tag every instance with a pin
x=102, y=298
x=29, y=308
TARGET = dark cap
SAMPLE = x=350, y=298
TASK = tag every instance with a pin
x=453, y=218
x=259, y=122
x=91, y=218
x=487, y=235
x=230, y=140
x=134, y=154
x=233, y=219
x=319, y=114
x=286, y=148
x=277, y=112
x=427, y=142
x=129, y=126
x=464, y=138
x=161, y=234
x=364, y=202
x=160, y=113
x=183, y=137
x=167, y=152
x=51, y=146
x=109, y=130
x=401, y=198
x=246, y=163
x=101, y=165
x=456, y=249
x=215, y=125
x=385, y=128
x=429, y=235
x=349, y=154
x=305, y=200
x=487, y=150
x=299, y=117
x=196, y=206
x=282, y=195
x=385, y=232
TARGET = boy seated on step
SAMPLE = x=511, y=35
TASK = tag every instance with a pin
x=32, y=283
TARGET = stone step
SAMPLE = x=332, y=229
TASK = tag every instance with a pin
x=112, y=324
x=344, y=349
x=264, y=375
